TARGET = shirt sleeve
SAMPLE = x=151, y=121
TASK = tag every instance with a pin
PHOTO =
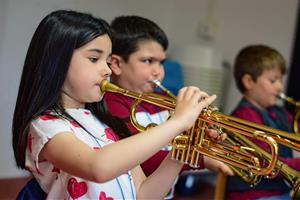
x=41, y=131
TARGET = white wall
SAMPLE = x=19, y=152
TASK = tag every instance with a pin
x=244, y=22
x=235, y=23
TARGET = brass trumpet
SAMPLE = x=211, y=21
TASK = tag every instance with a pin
x=291, y=175
x=189, y=145
x=296, y=112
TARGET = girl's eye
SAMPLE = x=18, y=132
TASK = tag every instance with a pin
x=93, y=60
x=108, y=64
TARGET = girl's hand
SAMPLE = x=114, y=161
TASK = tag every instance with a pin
x=189, y=104
x=217, y=166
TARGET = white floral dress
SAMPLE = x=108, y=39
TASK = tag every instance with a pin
x=61, y=185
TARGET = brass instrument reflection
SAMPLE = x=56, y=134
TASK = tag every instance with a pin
x=189, y=145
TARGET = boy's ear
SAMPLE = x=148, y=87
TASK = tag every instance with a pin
x=116, y=62
x=247, y=81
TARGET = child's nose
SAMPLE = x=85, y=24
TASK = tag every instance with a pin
x=157, y=70
x=106, y=71
x=280, y=85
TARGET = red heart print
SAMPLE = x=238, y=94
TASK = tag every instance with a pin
x=103, y=196
x=76, y=189
x=87, y=112
x=110, y=134
x=48, y=116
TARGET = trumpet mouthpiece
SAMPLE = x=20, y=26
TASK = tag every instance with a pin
x=158, y=84
x=281, y=95
x=289, y=99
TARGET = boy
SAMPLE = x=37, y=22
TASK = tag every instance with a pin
x=138, y=52
x=258, y=73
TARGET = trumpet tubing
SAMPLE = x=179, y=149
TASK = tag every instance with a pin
x=288, y=139
x=296, y=112
x=296, y=120
x=289, y=99
x=189, y=145
x=242, y=154
x=195, y=141
x=291, y=175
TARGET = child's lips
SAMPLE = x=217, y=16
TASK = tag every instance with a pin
x=153, y=86
x=150, y=84
x=98, y=85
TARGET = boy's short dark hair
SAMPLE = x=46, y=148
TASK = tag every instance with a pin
x=253, y=60
x=129, y=31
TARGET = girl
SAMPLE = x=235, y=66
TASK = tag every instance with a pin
x=60, y=130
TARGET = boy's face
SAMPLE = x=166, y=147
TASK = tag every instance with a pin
x=142, y=67
x=265, y=90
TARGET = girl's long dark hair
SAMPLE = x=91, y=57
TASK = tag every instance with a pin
x=45, y=69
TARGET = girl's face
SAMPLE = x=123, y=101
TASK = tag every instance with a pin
x=89, y=66
x=142, y=67
x=265, y=90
